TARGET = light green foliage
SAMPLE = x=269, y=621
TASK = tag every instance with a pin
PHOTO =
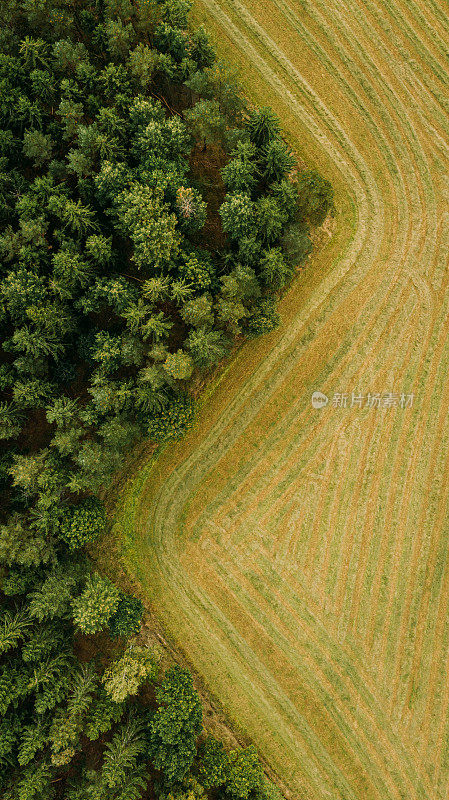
x=188, y=789
x=207, y=347
x=44, y=640
x=198, y=311
x=33, y=738
x=119, y=434
x=191, y=209
x=220, y=82
x=237, y=214
x=68, y=720
x=179, y=365
x=9, y=734
x=96, y=604
x=119, y=37
x=275, y=271
x=107, y=351
x=197, y=272
x=240, y=174
x=230, y=312
x=62, y=411
x=32, y=392
x=96, y=463
x=21, y=545
x=35, y=782
x=52, y=598
x=38, y=147
x=287, y=197
x=143, y=61
x=13, y=628
x=71, y=114
x=240, y=284
x=68, y=55
x=244, y=773
x=157, y=288
x=125, y=675
x=99, y=248
x=21, y=289
x=270, y=219
x=50, y=681
x=10, y=421
x=151, y=228
x=122, y=754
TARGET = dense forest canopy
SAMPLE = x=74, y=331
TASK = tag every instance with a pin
x=148, y=217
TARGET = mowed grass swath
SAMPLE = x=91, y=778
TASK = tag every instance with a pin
x=299, y=555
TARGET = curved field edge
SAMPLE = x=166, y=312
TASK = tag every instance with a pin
x=301, y=560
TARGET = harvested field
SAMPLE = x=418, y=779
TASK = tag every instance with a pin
x=300, y=556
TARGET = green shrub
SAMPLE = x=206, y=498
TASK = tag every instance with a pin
x=173, y=421
x=83, y=523
x=127, y=618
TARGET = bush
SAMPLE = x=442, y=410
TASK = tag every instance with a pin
x=83, y=523
x=173, y=421
x=296, y=244
x=213, y=763
x=127, y=618
x=316, y=197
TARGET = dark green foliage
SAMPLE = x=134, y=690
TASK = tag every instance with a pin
x=103, y=713
x=263, y=126
x=264, y=319
x=213, y=763
x=175, y=726
x=316, y=197
x=278, y=160
x=296, y=244
x=173, y=420
x=127, y=618
x=82, y=523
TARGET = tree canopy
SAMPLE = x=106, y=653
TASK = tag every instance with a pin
x=148, y=217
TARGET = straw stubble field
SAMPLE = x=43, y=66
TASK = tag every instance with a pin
x=300, y=556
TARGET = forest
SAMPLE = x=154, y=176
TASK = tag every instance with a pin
x=150, y=217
